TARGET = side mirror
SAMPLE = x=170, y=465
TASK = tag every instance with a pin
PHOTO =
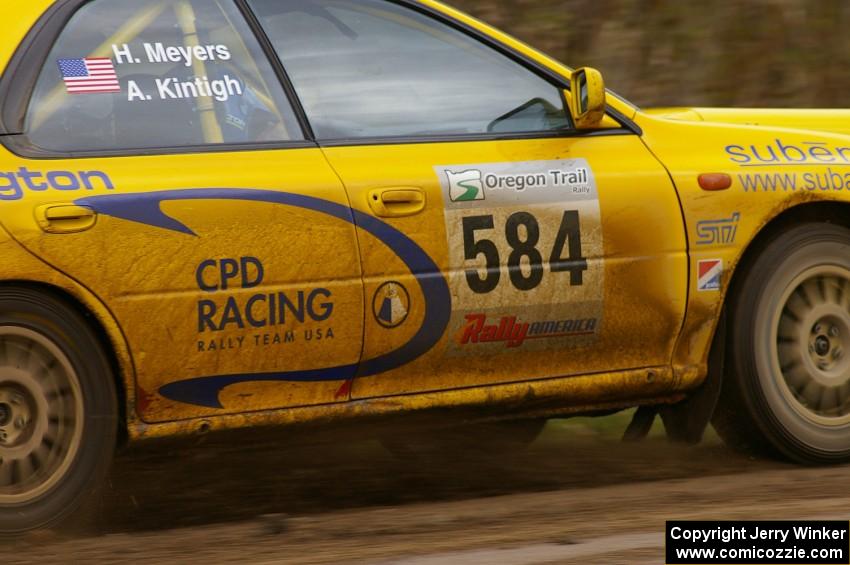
x=587, y=98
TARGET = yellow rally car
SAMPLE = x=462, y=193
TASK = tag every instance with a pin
x=229, y=213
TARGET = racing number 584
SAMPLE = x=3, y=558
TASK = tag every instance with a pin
x=569, y=238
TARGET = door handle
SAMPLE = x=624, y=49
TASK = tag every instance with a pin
x=397, y=202
x=65, y=218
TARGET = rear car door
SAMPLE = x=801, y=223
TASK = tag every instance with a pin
x=162, y=166
x=533, y=250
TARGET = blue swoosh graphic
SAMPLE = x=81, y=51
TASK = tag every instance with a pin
x=204, y=391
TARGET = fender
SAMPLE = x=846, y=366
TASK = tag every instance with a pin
x=22, y=267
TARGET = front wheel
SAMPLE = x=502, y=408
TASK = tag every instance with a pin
x=58, y=411
x=787, y=384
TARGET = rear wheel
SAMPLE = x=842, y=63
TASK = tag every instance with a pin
x=58, y=412
x=787, y=387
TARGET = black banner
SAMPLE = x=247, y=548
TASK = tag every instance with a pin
x=758, y=543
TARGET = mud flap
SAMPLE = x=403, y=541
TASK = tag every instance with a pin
x=641, y=424
x=687, y=421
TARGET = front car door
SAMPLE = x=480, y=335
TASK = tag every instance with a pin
x=547, y=252
x=162, y=167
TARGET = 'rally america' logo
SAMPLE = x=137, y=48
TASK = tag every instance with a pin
x=513, y=332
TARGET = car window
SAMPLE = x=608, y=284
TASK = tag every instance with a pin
x=135, y=74
x=371, y=68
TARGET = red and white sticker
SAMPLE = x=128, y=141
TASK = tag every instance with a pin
x=709, y=273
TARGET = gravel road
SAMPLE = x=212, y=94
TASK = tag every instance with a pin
x=576, y=495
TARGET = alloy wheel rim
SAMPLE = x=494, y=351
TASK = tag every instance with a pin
x=811, y=345
x=41, y=410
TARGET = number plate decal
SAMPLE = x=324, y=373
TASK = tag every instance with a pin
x=525, y=249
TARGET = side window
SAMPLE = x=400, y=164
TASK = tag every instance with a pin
x=141, y=74
x=371, y=68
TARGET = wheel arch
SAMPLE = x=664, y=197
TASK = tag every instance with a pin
x=830, y=212
x=703, y=383
x=108, y=333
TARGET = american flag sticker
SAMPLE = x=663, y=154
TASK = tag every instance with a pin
x=708, y=274
x=92, y=75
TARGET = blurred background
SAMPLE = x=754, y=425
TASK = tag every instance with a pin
x=745, y=53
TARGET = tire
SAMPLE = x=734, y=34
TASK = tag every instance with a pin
x=58, y=413
x=786, y=391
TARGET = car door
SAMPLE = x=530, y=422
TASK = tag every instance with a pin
x=163, y=167
x=534, y=250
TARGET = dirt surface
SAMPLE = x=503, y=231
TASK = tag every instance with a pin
x=576, y=495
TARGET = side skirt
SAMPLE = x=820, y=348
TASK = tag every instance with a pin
x=561, y=396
